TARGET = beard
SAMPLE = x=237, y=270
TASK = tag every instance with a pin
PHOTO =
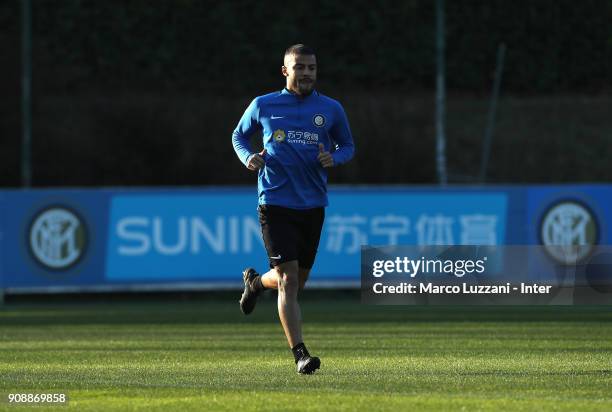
x=305, y=86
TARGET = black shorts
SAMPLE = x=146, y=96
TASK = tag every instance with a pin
x=291, y=234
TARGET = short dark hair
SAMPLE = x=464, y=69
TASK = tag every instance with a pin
x=300, y=50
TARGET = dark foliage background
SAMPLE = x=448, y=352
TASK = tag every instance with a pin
x=147, y=93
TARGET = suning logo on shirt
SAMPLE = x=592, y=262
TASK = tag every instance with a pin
x=279, y=135
x=302, y=137
x=293, y=136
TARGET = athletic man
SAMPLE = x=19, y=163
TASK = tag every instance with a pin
x=304, y=132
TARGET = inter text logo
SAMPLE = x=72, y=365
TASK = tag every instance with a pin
x=568, y=232
x=57, y=238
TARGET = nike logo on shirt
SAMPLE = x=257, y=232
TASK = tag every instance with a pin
x=277, y=117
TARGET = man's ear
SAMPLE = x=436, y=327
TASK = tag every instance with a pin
x=284, y=71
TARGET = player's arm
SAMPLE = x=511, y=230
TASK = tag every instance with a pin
x=341, y=135
x=248, y=124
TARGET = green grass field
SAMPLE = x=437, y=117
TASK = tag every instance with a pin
x=184, y=356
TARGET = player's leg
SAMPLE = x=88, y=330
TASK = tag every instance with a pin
x=291, y=316
x=281, y=231
x=270, y=278
x=288, y=307
x=283, y=277
x=310, y=225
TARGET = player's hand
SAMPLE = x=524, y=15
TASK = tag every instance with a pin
x=256, y=161
x=325, y=158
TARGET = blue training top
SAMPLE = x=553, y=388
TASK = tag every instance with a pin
x=293, y=126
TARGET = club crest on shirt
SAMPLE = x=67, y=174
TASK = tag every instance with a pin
x=278, y=135
x=318, y=120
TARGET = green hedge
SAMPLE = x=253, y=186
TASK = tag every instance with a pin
x=236, y=47
x=147, y=92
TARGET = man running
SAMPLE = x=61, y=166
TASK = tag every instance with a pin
x=304, y=132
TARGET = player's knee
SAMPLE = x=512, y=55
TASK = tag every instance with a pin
x=288, y=283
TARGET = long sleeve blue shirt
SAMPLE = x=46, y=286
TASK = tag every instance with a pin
x=292, y=127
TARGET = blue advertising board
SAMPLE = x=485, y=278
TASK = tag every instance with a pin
x=53, y=238
x=117, y=239
x=211, y=236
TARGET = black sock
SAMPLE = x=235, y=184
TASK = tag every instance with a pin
x=257, y=285
x=299, y=351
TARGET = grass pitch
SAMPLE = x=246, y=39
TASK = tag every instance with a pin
x=207, y=356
